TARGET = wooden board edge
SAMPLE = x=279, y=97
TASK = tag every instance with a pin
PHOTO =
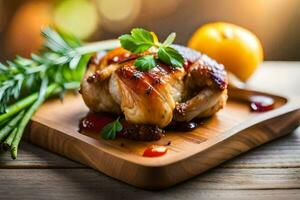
x=158, y=177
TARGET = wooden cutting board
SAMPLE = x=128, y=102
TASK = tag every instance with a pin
x=232, y=131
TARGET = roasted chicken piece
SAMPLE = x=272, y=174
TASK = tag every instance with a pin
x=155, y=97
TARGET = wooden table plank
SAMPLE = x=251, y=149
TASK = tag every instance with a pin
x=30, y=156
x=72, y=192
x=89, y=184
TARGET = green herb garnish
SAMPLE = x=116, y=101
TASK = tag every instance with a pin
x=170, y=56
x=140, y=40
x=26, y=83
x=145, y=63
x=109, y=132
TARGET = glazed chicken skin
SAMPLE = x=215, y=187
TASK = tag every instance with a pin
x=156, y=97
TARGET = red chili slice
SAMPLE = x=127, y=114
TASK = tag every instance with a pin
x=155, y=151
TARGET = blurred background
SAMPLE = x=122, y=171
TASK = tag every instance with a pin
x=275, y=22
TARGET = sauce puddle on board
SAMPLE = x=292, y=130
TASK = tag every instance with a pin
x=183, y=126
x=261, y=103
x=95, y=122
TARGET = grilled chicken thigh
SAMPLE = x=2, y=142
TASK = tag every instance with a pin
x=155, y=97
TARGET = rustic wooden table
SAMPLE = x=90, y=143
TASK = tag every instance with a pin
x=271, y=171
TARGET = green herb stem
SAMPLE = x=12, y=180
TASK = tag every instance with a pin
x=98, y=46
x=7, y=129
x=27, y=101
x=2, y=123
x=41, y=98
x=10, y=138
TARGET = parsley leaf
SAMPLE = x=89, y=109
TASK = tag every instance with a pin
x=109, y=132
x=145, y=63
x=170, y=56
x=142, y=35
x=139, y=41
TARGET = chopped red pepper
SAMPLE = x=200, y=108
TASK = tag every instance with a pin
x=155, y=151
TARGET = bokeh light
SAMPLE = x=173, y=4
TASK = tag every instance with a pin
x=78, y=17
x=118, y=15
x=21, y=21
x=158, y=8
x=23, y=34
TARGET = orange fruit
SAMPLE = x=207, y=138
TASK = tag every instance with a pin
x=239, y=50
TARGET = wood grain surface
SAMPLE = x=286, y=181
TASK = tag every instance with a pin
x=38, y=174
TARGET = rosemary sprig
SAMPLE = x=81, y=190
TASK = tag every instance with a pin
x=26, y=83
